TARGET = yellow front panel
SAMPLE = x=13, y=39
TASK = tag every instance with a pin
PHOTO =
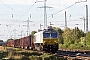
x=50, y=41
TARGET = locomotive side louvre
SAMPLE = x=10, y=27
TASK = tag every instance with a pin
x=38, y=40
x=38, y=37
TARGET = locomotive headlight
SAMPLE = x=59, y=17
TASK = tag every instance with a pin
x=56, y=42
x=44, y=42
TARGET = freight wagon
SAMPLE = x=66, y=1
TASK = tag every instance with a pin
x=27, y=42
x=17, y=43
x=10, y=43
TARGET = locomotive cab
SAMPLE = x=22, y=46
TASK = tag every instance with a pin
x=50, y=40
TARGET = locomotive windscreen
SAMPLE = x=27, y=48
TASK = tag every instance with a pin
x=46, y=35
x=50, y=34
x=54, y=34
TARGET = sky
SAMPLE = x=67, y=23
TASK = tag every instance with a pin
x=15, y=13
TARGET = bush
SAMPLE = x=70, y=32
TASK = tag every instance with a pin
x=25, y=58
x=3, y=54
x=63, y=46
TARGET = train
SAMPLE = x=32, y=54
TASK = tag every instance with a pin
x=46, y=40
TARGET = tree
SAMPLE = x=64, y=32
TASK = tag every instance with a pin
x=33, y=32
x=88, y=38
x=60, y=32
x=67, y=35
x=77, y=34
x=9, y=40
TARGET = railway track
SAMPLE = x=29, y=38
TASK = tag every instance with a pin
x=69, y=54
x=74, y=54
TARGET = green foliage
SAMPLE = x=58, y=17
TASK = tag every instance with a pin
x=60, y=32
x=3, y=54
x=30, y=54
x=63, y=46
x=9, y=40
x=25, y=58
x=83, y=40
x=67, y=35
x=77, y=34
x=33, y=32
x=88, y=38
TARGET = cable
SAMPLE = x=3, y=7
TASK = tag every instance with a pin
x=67, y=8
x=61, y=10
x=11, y=7
x=6, y=5
x=26, y=11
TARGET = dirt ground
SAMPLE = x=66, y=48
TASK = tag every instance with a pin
x=2, y=48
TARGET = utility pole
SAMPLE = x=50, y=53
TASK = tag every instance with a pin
x=40, y=26
x=86, y=19
x=21, y=34
x=45, y=13
x=65, y=20
x=51, y=24
x=84, y=23
x=84, y=31
x=14, y=33
x=28, y=27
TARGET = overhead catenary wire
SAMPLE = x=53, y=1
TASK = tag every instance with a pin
x=11, y=7
x=22, y=14
x=67, y=7
x=64, y=9
x=26, y=11
x=6, y=5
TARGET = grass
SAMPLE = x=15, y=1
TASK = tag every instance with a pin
x=3, y=54
x=21, y=54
